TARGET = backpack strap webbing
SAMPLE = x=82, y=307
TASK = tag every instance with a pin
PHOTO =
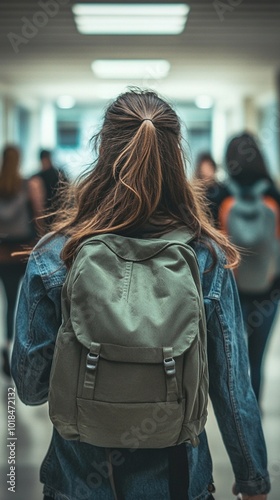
x=91, y=369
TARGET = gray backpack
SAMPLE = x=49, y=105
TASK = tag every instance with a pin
x=252, y=225
x=130, y=364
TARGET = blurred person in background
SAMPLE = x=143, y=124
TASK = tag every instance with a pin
x=17, y=229
x=206, y=168
x=45, y=184
x=206, y=171
x=249, y=212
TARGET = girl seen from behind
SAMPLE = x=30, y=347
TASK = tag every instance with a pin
x=138, y=188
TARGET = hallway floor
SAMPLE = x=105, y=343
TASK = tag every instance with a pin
x=33, y=432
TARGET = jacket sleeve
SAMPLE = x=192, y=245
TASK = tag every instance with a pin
x=37, y=323
x=230, y=389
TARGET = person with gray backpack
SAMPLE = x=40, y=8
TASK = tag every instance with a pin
x=128, y=318
x=249, y=213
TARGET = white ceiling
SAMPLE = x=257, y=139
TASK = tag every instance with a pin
x=232, y=54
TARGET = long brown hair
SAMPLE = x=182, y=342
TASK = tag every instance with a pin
x=139, y=173
x=10, y=178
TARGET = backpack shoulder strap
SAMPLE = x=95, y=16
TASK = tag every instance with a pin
x=261, y=187
x=256, y=189
x=234, y=188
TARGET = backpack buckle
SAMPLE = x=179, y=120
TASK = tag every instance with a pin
x=92, y=361
x=169, y=366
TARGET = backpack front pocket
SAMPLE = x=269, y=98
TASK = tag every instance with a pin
x=137, y=425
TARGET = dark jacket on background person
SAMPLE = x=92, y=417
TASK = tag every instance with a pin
x=51, y=179
x=215, y=193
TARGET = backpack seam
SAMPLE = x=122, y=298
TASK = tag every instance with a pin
x=127, y=280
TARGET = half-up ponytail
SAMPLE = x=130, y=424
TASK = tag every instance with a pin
x=139, y=173
x=138, y=169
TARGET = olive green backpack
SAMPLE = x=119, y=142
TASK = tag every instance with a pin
x=130, y=364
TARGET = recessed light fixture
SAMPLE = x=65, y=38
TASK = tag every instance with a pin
x=130, y=68
x=130, y=19
x=65, y=102
x=204, y=101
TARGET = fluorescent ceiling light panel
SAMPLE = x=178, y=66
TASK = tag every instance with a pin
x=136, y=22
x=133, y=19
x=147, y=9
x=132, y=26
x=127, y=68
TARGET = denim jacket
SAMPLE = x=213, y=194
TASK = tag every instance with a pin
x=73, y=470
